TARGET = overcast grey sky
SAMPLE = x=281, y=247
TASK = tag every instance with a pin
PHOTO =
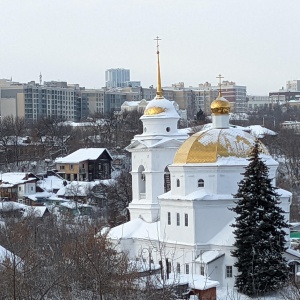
x=252, y=42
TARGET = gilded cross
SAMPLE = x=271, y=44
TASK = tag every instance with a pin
x=220, y=82
x=157, y=45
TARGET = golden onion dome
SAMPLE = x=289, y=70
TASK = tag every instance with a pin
x=220, y=105
x=207, y=146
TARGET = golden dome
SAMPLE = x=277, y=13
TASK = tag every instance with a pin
x=207, y=146
x=154, y=111
x=220, y=105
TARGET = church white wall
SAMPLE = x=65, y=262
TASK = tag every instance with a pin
x=148, y=184
x=174, y=232
x=160, y=126
x=222, y=179
x=206, y=218
x=211, y=216
x=220, y=121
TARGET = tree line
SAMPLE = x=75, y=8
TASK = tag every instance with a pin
x=58, y=259
x=22, y=144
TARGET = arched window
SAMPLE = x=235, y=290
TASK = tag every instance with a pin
x=200, y=183
x=178, y=183
x=167, y=180
x=142, y=179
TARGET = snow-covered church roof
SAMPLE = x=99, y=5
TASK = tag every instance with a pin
x=160, y=107
x=218, y=141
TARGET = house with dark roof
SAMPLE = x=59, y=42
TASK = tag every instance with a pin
x=86, y=164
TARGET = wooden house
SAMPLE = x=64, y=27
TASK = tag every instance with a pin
x=15, y=186
x=86, y=164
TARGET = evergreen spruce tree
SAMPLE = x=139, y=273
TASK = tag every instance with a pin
x=259, y=231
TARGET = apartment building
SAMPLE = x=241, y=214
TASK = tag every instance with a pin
x=258, y=102
x=283, y=96
x=94, y=99
x=235, y=94
x=54, y=100
x=11, y=98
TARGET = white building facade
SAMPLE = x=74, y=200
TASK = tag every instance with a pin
x=190, y=224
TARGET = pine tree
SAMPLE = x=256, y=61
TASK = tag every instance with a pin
x=259, y=231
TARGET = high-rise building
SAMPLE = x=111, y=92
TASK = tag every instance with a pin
x=293, y=85
x=116, y=78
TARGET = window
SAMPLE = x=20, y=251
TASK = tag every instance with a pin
x=61, y=167
x=20, y=189
x=31, y=188
x=187, y=269
x=169, y=266
x=71, y=167
x=228, y=271
x=82, y=166
x=169, y=218
x=201, y=270
x=200, y=183
x=178, y=219
x=178, y=267
x=186, y=220
x=168, y=129
x=178, y=183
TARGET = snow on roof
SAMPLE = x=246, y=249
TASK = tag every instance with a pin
x=195, y=281
x=51, y=183
x=256, y=130
x=80, y=188
x=136, y=228
x=37, y=211
x=131, y=103
x=82, y=155
x=196, y=195
x=12, y=178
x=6, y=254
x=209, y=256
x=294, y=224
x=260, y=131
x=74, y=204
x=167, y=105
x=293, y=252
x=36, y=196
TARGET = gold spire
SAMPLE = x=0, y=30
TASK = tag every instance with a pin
x=159, y=94
x=220, y=85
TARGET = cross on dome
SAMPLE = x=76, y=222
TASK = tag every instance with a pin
x=220, y=77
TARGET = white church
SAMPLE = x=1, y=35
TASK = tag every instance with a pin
x=182, y=188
